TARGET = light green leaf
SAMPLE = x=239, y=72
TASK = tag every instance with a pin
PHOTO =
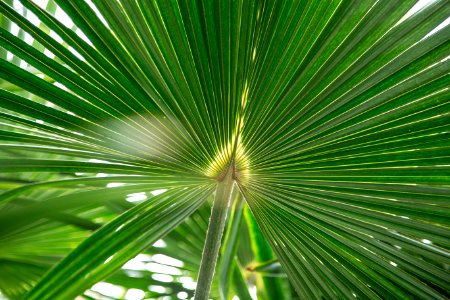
x=105, y=250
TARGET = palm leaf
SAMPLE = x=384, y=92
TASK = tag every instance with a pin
x=330, y=117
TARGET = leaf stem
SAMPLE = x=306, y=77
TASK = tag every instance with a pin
x=214, y=235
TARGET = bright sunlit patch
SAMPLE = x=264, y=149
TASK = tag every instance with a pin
x=135, y=197
x=162, y=277
x=185, y=279
x=190, y=285
x=439, y=27
x=63, y=87
x=416, y=8
x=77, y=54
x=134, y=264
x=393, y=263
x=63, y=17
x=40, y=3
x=169, y=270
x=252, y=291
x=108, y=289
x=137, y=263
x=158, y=192
x=39, y=121
x=83, y=36
x=167, y=260
x=97, y=12
x=160, y=244
x=28, y=39
x=108, y=259
x=134, y=294
x=56, y=37
x=428, y=242
x=14, y=29
x=143, y=257
x=157, y=289
x=114, y=184
x=101, y=175
x=49, y=54
x=182, y=295
x=23, y=64
x=9, y=56
x=93, y=160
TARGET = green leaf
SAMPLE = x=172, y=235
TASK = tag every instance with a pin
x=332, y=117
x=229, y=246
x=105, y=250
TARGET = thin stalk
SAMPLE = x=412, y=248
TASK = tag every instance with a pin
x=214, y=236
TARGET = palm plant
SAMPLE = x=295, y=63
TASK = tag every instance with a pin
x=315, y=132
